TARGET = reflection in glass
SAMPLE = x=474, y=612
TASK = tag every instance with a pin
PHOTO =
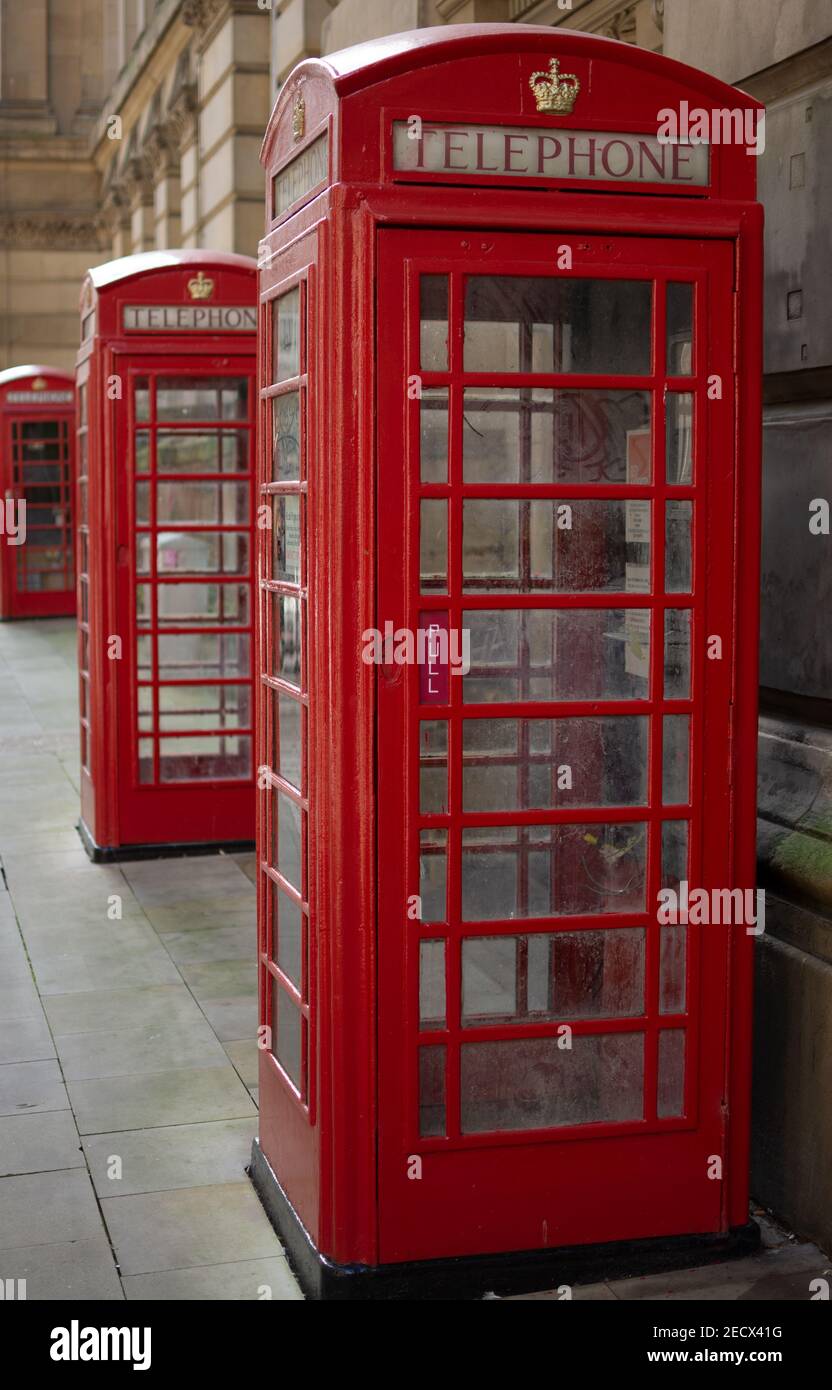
x=431, y=985
x=286, y=438
x=287, y=934
x=432, y=1090
x=531, y=1083
x=539, y=435
x=568, y=546
x=679, y=438
x=286, y=637
x=670, y=1097
x=286, y=533
x=529, y=764
x=286, y=1033
x=433, y=545
x=528, y=979
x=433, y=434
x=557, y=654
x=433, y=767
x=433, y=322
x=286, y=335
x=433, y=874
x=552, y=870
x=550, y=324
x=677, y=653
x=678, y=553
x=675, y=759
x=674, y=853
x=679, y=329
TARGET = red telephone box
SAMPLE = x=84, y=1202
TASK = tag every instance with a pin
x=166, y=391
x=37, y=451
x=510, y=399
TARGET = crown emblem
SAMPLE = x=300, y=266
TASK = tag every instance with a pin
x=553, y=90
x=39, y=384
x=201, y=287
x=298, y=117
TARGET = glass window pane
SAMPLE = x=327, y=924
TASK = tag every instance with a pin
x=677, y=654
x=433, y=322
x=288, y=840
x=511, y=872
x=433, y=545
x=556, y=436
x=433, y=874
x=286, y=532
x=186, y=451
x=551, y=324
x=678, y=552
x=142, y=451
x=202, y=655
x=201, y=398
x=145, y=760
x=586, y=974
x=679, y=329
x=431, y=985
x=288, y=751
x=531, y=1083
x=555, y=546
x=433, y=434
x=186, y=604
x=286, y=438
x=286, y=1033
x=557, y=654
x=674, y=853
x=286, y=638
x=200, y=504
x=141, y=397
x=675, y=759
x=528, y=764
x=670, y=1100
x=672, y=968
x=204, y=707
x=433, y=767
x=679, y=441
x=196, y=552
x=206, y=758
x=286, y=335
x=432, y=1091
x=287, y=934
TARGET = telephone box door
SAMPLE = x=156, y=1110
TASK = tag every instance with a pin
x=556, y=512
x=39, y=578
x=183, y=598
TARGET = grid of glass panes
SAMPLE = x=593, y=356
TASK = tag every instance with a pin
x=192, y=471
x=83, y=543
x=284, y=854
x=545, y=509
x=41, y=458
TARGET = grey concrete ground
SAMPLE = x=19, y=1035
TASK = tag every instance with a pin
x=127, y=1060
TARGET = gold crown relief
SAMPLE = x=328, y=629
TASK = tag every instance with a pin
x=298, y=117
x=201, y=287
x=39, y=384
x=554, y=90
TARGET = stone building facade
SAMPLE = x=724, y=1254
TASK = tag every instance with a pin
x=125, y=125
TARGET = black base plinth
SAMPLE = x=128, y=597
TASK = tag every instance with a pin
x=122, y=854
x=469, y=1277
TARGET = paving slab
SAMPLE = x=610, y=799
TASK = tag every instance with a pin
x=189, y=1226
x=214, y=945
x=245, y=1056
x=29, y=1086
x=150, y=1099
x=25, y=1040
x=74, y=1270
x=39, y=1143
x=104, y=1009
x=47, y=1208
x=146, y=1048
x=269, y=1279
x=155, y=1160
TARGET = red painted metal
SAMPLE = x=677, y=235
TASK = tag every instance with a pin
x=166, y=424
x=339, y=1088
x=37, y=462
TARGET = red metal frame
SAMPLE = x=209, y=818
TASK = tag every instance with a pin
x=342, y=1164
x=166, y=553
x=37, y=464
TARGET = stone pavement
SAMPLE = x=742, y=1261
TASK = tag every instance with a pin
x=127, y=1060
